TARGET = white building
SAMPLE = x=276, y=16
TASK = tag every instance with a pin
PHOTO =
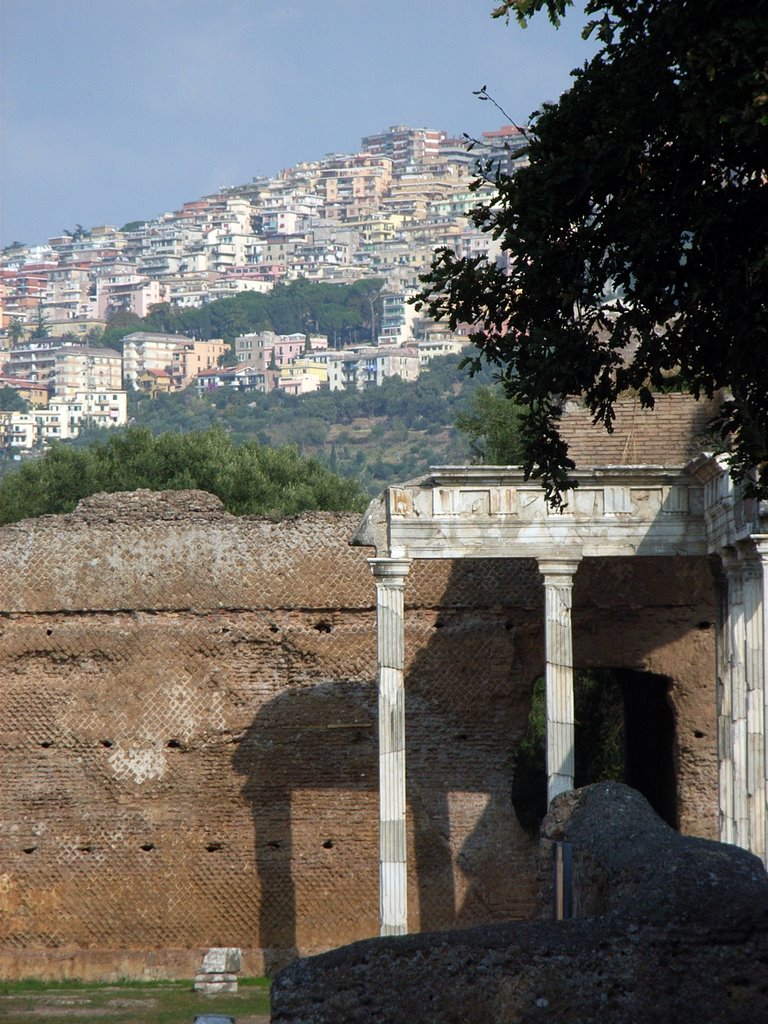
x=369, y=367
x=64, y=417
x=17, y=429
x=397, y=319
x=432, y=347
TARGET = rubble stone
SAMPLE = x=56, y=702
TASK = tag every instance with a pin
x=669, y=928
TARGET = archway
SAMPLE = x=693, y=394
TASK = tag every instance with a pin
x=625, y=731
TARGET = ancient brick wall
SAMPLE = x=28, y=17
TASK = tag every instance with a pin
x=187, y=730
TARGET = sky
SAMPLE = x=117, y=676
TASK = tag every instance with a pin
x=120, y=110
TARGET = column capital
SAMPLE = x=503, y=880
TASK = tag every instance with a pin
x=729, y=559
x=563, y=566
x=390, y=569
x=744, y=558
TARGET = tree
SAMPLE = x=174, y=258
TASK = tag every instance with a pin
x=41, y=327
x=492, y=424
x=77, y=233
x=16, y=330
x=636, y=240
x=250, y=479
x=11, y=401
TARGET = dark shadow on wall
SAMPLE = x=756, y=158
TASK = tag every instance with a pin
x=310, y=764
x=309, y=738
x=309, y=761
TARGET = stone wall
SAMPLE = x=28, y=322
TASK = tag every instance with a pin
x=188, y=741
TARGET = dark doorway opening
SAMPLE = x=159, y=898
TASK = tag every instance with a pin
x=625, y=731
x=649, y=740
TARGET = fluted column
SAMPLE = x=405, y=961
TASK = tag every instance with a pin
x=752, y=583
x=390, y=574
x=723, y=683
x=761, y=550
x=735, y=570
x=558, y=590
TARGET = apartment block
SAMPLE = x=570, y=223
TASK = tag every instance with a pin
x=407, y=148
x=369, y=367
x=144, y=350
x=78, y=369
x=188, y=361
x=267, y=349
x=129, y=293
x=17, y=430
x=63, y=418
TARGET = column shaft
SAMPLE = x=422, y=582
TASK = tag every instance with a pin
x=558, y=592
x=390, y=642
x=761, y=547
x=755, y=711
x=723, y=683
x=738, y=705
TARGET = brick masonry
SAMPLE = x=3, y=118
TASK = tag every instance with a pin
x=675, y=431
x=188, y=742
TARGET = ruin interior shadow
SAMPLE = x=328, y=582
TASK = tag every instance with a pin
x=624, y=731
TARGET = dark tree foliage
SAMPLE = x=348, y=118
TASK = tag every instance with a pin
x=11, y=401
x=637, y=239
x=343, y=312
x=250, y=479
x=599, y=743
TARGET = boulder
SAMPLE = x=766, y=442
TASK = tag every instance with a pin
x=666, y=928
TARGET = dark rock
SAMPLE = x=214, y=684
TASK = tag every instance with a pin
x=669, y=929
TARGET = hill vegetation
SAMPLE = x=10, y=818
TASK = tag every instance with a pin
x=340, y=446
x=346, y=313
x=378, y=436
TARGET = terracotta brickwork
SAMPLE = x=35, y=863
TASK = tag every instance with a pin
x=188, y=730
x=670, y=434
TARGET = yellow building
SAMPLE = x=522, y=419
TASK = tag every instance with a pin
x=194, y=358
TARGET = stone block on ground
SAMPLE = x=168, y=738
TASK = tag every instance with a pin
x=221, y=965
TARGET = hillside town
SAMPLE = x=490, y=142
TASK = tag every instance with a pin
x=377, y=214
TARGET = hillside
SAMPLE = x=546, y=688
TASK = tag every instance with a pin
x=380, y=436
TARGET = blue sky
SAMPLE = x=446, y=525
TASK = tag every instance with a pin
x=116, y=110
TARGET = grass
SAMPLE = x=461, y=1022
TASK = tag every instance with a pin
x=127, y=1002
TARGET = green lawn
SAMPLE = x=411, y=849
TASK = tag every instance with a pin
x=128, y=1002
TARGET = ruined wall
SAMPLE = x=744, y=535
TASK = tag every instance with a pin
x=187, y=730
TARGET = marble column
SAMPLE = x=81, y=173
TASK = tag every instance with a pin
x=723, y=692
x=558, y=576
x=761, y=551
x=735, y=569
x=389, y=574
x=752, y=588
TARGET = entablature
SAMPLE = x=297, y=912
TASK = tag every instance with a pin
x=494, y=512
